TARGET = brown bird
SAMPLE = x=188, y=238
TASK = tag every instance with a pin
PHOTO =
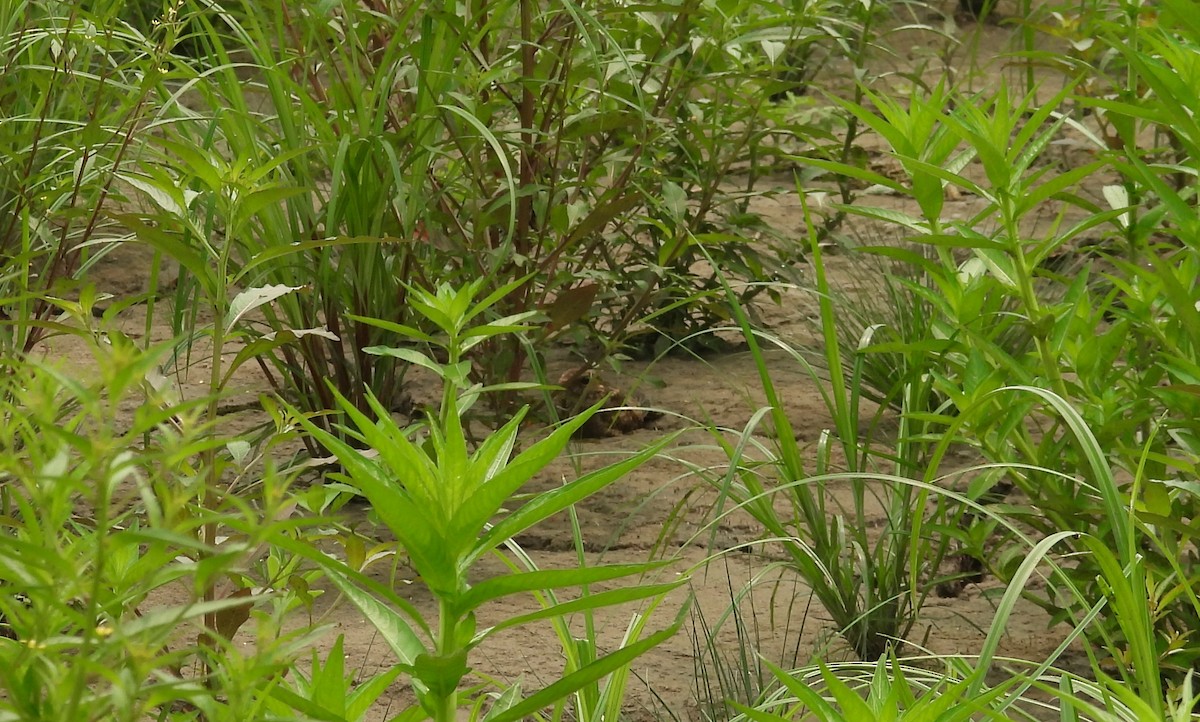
x=582, y=388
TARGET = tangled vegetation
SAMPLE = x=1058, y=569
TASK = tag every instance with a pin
x=359, y=200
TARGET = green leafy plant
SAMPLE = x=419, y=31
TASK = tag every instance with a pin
x=871, y=584
x=581, y=163
x=1154, y=310
x=604, y=689
x=1103, y=373
x=446, y=504
x=73, y=94
x=214, y=267
x=725, y=674
x=1129, y=583
x=892, y=690
x=884, y=319
x=887, y=690
x=329, y=693
x=105, y=570
x=336, y=223
x=1005, y=314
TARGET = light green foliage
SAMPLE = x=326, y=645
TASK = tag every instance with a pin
x=448, y=506
x=887, y=692
x=328, y=692
x=577, y=148
x=351, y=189
x=1098, y=439
x=100, y=520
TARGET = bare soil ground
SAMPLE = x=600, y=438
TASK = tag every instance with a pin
x=626, y=522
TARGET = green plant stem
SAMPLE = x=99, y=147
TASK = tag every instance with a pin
x=1029, y=298
x=846, y=419
x=100, y=509
x=527, y=113
x=1029, y=39
x=212, y=476
x=446, y=706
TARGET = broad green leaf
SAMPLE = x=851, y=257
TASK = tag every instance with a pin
x=411, y=523
x=487, y=499
x=889, y=123
x=999, y=265
x=260, y=199
x=510, y=696
x=509, y=584
x=168, y=199
x=411, y=355
x=803, y=692
x=1034, y=197
x=852, y=706
x=851, y=171
x=264, y=169
x=511, y=386
x=268, y=343
x=168, y=617
x=948, y=176
x=393, y=627
x=252, y=298
x=299, y=333
x=554, y=501
x=595, y=600
x=951, y=240
x=171, y=246
x=507, y=325
x=488, y=302
x=311, y=709
x=891, y=217
x=396, y=328
x=773, y=49
x=1046, y=118
x=328, y=683
x=441, y=674
x=366, y=694
x=209, y=168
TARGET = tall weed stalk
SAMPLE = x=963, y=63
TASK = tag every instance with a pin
x=449, y=506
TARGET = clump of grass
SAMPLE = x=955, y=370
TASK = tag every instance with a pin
x=872, y=584
x=74, y=92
